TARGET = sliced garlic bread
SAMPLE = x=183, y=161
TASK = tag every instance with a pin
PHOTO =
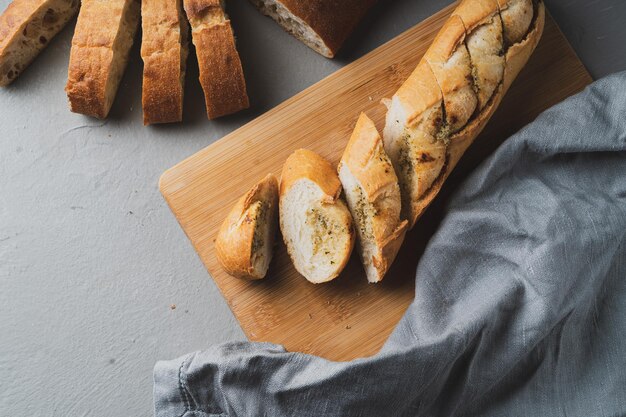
x=373, y=194
x=456, y=87
x=245, y=241
x=315, y=223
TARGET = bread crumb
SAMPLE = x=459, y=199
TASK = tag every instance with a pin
x=172, y=306
x=348, y=327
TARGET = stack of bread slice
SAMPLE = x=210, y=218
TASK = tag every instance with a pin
x=388, y=182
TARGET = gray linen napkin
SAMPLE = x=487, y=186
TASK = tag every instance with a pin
x=520, y=299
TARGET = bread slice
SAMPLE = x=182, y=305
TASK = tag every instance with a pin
x=315, y=222
x=102, y=40
x=221, y=74
x=245, y=241
x=26, y=28
x=373, y=194
x=322, y=25
x=459, y=83
x=164, y=48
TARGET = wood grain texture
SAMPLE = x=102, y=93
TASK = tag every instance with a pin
x=346, y=318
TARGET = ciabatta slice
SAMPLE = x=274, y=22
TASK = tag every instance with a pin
x=221, y=73
x=164, y=47
x=26, y=28
x=104, y=34
x=315, y=223
x=245, y=241
x=373, y=194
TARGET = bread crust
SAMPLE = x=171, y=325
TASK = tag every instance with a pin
x=164, y=53
x=476, y=12
x=26, y=28
x=515, y=58
x=306, y=164
x=331, y=20
x=234, y=243
x=100, y=40
x=365, y=157
x=221, y=73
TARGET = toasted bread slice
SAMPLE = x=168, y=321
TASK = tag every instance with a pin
x=221, y=73
x=26, y=28
x=102, y=40
x=315, y=222
x=245, y=242
x=373, y=194
x=164, y=48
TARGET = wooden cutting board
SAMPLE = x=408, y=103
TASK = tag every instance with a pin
x=346, y=318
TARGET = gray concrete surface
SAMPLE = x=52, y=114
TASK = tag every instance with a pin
x=91, y=259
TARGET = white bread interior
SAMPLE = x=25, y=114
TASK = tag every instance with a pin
x=294, y=25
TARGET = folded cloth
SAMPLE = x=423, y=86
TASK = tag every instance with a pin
x=520, y=298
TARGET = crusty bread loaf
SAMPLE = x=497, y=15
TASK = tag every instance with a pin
x=315, y=223
x=322, y=25
x=447, y=100
x=26, y=27
x=373, y=195
x=102, y=40
x=245, y=241
x=221, y=74
x=164, y=47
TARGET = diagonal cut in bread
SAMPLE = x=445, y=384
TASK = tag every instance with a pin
x=245, y=241
x=164, y=48
x=102, y=40
x=448, y=99
x=373, y=194
x=315, y=223
x=26, y=28
x=221, y=74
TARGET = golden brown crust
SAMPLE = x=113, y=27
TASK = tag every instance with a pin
x=419, y=92
x=234, y=243
x=307, y=164
x=368, y=163
x=26, y=28
x=331, y=20
x=389, y=249
x=363, y=156
x=164, y=53
x=516, y=57
x=221, y=73
x=474, y=13
x=100, y=41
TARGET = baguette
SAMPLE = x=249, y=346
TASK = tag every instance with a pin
x=26, y=28
x=322, y=25
x=102, y=40
x=315, y=223
x=221, y=74
x=164, y=47
x=447, y=100
x=245, y=241
x=373, y=195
